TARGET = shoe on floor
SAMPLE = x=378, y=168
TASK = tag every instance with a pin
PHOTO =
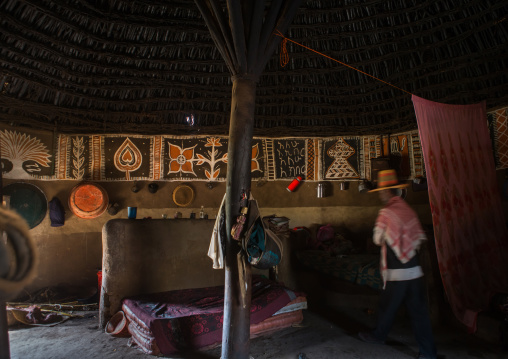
x=421, y=356
x=368, y=337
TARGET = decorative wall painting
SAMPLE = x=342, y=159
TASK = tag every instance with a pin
x=201, y=158
x=498, y=124
x=24, y=155
x=289, y=160
x=399, y=153
x=127, y=158
x=312, y=170
x=341, y=158
x=44, y=155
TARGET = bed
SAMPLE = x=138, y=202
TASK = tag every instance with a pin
x=361, y=269
x=330, y=251
x=191, y=319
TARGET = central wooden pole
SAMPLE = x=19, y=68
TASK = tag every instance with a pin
x=4, y=329
x=237, y=293
x=4, y=333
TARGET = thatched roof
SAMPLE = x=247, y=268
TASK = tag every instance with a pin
x=111, y=66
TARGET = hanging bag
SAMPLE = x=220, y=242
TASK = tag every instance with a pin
x=263, y=247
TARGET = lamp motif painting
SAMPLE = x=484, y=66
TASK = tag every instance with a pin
x=128, y=158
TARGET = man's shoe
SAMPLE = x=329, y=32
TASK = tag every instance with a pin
x=368, y=337
x=421, y=356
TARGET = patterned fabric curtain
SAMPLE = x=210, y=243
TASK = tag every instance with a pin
x=469, y=226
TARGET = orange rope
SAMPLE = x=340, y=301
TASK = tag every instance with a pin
x=284, y=56
x=284, y=59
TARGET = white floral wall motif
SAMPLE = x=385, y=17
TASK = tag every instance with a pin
x=181, y=159
x=213, y=158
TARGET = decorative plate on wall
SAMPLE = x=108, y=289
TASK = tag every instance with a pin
x=28, y=201
x=183, y=195
x=88, y=200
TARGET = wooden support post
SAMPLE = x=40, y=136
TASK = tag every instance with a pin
x=4, y=333
x=4, y=330
x=237, y=293
x=261, y=44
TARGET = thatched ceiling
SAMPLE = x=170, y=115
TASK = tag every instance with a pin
x=111, y=66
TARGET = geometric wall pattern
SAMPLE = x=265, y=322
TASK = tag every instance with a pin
x=499, y=126
x=45, y=156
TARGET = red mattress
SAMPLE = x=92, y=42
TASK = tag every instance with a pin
x=191, y=319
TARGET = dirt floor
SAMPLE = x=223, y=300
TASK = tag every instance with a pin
x=323, y=334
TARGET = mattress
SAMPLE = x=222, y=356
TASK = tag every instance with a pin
x=362, y=269
x=191, y=319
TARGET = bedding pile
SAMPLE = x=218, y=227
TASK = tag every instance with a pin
x=191, y=319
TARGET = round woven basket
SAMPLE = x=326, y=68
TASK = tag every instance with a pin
x=118, y=325
x=88, y=200
x=183, y=195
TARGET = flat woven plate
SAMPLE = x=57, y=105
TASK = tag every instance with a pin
x=88, y=200
x=28, y=201
x=183, y=195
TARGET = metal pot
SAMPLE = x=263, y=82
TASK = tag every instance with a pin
x=321, y=189
x=363, y=187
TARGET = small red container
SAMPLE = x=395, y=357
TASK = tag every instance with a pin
x=295, y=183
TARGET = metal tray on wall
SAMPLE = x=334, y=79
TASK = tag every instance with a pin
x=28, y=200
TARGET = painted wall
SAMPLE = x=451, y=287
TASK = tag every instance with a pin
x=72, y=254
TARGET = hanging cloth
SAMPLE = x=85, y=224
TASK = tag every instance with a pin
x=469, y=228
x=215, y=251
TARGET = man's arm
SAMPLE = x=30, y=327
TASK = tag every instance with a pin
x=378, y=237
x=379, y=229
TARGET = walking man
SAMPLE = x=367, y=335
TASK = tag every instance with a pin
x=399, y=233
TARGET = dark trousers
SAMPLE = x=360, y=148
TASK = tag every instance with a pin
x=412, y=294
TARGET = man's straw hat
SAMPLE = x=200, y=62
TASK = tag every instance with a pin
x=387, y=179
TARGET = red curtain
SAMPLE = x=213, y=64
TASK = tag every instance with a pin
x=469, y=226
